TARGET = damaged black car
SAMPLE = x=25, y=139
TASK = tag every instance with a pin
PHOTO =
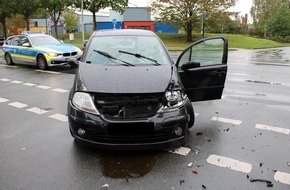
x=129, y=94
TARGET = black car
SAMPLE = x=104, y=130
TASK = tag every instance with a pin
x=129, y=94
x=2, y=39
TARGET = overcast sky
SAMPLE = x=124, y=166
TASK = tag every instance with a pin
x=242, y=6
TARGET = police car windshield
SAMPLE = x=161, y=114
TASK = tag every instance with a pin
x=43, y=40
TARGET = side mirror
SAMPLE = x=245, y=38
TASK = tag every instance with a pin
x=85, y=43
x=190, y=65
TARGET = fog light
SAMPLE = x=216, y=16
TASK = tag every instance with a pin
x=178, y=131
x=81, y=131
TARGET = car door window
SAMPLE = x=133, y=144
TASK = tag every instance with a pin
x=209, y=52
x=15, y=41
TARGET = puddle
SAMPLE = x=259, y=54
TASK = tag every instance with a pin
x=127, y=166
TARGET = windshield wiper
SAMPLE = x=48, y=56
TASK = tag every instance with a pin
x=140, y=56
x=111, y=57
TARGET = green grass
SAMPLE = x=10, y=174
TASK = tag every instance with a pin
x=178, y=41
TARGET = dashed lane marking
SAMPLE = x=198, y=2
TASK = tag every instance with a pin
x=229, y=163
x=225, y=120
x=2, y=100
x=60, y=90
x=16, y=82
x=50, y=72
x=29, y=84
x=37, y=110
x=181, y=151
x=282, y=177
x=17, y=105
x=272, y=128
x=59, y=117
x=5, y=79
x=43, y=87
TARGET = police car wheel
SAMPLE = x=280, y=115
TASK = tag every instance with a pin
x=8, y=59
x=42, y=63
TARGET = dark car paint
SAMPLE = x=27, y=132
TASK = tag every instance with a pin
x=117, y=80
x=124, y=79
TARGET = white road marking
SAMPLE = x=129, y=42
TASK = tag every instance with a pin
x=29, y=84
x=59, y=117
x=17, y=105
x=225, y=120
x=9, y=66
x=50, y=72
x=243, y=74
x=60, y=90
x=5, y=79
x=229, y=163
x=37, y=110
x=2, y=100
x=43, y=87
x=181, y=151
x=272, y=128
x=16, y=82
x=282, y=177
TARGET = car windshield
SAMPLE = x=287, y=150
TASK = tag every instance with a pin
x=43, y=40
x=135, y=50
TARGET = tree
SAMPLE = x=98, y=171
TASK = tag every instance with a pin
x=262, y=11
x=279, y=24
x=5, y=12
x=71, y=21
x=95, y=6
x=27, y=8
x=186, y=12
x=55, y=9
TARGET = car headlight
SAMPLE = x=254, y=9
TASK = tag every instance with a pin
x=54, y=54
x=174, y=100
x=83, y=101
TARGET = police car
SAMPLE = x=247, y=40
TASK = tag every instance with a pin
x=37, y=48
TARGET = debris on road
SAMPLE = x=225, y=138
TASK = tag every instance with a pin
x=181, y=182
x=190, y=165
x=288, y=163
x=269, y=183
x=134, y=174
x=203, y=187
x=105, y=187
x=199, y=133
x=194, y=171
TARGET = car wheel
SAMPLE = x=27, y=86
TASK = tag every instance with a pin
x=8, y=59
x=190, y=112
x=41, y=62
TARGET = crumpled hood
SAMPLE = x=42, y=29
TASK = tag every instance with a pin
x=63, y=48
x=125, y=79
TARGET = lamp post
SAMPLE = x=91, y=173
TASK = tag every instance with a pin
x=83, y=28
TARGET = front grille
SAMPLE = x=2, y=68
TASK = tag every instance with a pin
x=69, y=54
x=128, y=106
x=131, y=133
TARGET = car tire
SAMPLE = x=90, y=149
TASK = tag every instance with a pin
x=8, y=59
x=41, y=62
x=190, y=112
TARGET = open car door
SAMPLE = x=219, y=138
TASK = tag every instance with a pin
x=202, y=68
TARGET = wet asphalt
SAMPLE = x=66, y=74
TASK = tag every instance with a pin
x=237, y=142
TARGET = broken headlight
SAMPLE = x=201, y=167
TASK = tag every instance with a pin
x=174, y=99
x=83, y=101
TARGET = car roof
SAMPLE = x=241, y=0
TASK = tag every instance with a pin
x=124, y=32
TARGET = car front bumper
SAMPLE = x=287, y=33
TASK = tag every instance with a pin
x=156, y=132
x=61, y=60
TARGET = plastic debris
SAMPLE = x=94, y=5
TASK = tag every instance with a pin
x=190, y=165
x=269, y=183
x=203, y=187
x=105, y=187
x=288, y=163
x=181, y=182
